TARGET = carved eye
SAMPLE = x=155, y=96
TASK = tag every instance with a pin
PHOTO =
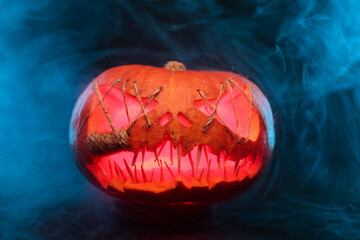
x=167, y=117
x=234, y=111
x=184, y=120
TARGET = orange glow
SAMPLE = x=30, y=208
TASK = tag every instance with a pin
x=205, y=136
x=200, y=167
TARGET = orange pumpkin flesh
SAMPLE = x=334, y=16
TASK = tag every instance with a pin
x=207, y=135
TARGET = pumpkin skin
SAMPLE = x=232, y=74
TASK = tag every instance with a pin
x=197, y=137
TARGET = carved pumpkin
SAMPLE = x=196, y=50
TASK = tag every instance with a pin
x=168, y=136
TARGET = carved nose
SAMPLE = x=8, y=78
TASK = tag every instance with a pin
x=165, y=118
x=185, y=121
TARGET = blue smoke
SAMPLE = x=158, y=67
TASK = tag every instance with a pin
x=303, y=54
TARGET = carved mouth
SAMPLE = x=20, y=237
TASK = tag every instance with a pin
x=163, y=168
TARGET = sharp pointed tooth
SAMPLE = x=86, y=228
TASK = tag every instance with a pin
x=143, y=174
x=236, y=167
x=171, y=153
x=143, y=156
x=198, y=157
x=208, y=171
x=224, y=157
x=134, y=159
x=219, y=160
x=136, y=178
x=169, y=169
x=101, y=170
x=119, y=171
x=129, y=171
x=192, y=164
x=201, y=174
x=206, y=155
x=156, y=156
x=116, y=170
x=111, y=171
x=179, y=158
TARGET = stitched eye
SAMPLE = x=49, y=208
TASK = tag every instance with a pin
x=167, y=117
x=184, y=120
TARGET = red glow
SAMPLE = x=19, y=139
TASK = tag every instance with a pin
x=194, y=148
x=200, y=167
x=116, y=106
x=204, y=171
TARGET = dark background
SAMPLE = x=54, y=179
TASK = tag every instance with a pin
x=303, y=54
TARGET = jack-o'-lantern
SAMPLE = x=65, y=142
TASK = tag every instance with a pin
x=168, y=136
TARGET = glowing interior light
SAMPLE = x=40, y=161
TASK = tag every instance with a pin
x=162, y=163
x=149, y=143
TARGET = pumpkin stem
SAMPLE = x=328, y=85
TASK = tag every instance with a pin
x=175, y=66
